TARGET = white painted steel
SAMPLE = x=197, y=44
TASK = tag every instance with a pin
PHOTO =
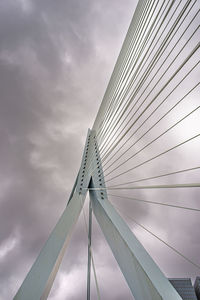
x=39, y=280
x=143, y=276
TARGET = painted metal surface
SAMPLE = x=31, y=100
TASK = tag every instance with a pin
x=143, y=276
x=39, y=280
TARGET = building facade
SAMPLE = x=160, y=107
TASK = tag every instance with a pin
x=184, y=288
x=197, y=287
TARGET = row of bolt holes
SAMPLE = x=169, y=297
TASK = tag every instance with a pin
x=102, y=194
x=84, y=165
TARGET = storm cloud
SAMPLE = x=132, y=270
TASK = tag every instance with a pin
x=56, y=58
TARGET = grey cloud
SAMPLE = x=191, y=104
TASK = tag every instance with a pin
x=49, y=97
x=56, y=58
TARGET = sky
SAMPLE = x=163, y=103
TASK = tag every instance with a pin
x=56, y=58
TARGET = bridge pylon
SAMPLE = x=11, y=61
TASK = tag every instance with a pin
x=144, y=278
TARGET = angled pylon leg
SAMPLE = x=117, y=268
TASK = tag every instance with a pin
x=39, y=280
x=143, y=276
x=145, y=279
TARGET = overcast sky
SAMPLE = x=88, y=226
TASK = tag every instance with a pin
x=56, y=58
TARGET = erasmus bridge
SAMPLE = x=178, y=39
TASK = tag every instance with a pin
x=142, y=148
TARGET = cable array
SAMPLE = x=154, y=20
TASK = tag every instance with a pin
x=161, y=240
x=148, y=124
